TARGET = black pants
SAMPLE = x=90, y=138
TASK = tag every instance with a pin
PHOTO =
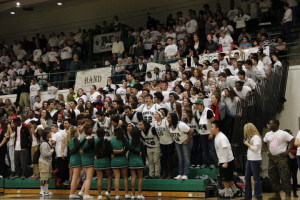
x=286, y=31
x=228, y=127
x=167, y=152
x=294, y=169
x=3, y=166
x=196, y=150
x=63, y=170
x=21, y=161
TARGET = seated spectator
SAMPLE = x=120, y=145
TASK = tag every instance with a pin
x=171, y=51
x=183, y=49
x=225, y=42
x=119, y=71
x=280, y=46
x=245, y=44
x=210, y=45
x=228, y=29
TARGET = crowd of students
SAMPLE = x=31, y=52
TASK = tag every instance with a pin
x=121, y=129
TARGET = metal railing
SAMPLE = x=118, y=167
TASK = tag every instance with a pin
x=258, y=108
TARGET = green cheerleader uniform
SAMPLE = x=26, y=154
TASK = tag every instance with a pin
x=135, y=160
x=103, y=155
x=119, y=160
x=74, y=147
x=87, y=158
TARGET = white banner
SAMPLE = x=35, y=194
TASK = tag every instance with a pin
x=104, y=42
x=85, y=79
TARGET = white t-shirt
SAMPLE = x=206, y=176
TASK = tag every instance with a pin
x=36, y=54
x=243, y=93
x=277, y=141
x=254, y=152
x=5, y=60
x=18, y=141
x=93, y=97
x=227, y=29
x=191, y=26
x=223, y=148
x=59, y=137
x=179, y=134
x=170, y=50
x=298, y=149
x=226, y=43
x=52, y=92
x=34, y=89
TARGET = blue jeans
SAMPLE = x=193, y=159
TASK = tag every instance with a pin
x=184, y=155
x=252, y=169
x=208, y=151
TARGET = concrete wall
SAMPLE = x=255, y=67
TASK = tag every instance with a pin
x=88, y=13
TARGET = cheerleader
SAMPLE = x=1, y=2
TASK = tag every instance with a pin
x=75, y=159
x=87, y=159
x=151, y=139
x=183, y=136
x=136, y=164
x=166, y=142
x=119, y=162
x=102, y=161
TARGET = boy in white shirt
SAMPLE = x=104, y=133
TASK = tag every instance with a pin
x=226, y=159
x=34, y=91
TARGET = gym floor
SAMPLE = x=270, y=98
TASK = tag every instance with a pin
x=59, y=196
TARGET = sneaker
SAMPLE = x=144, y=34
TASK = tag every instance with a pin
x=127, y=196
x=74, y=196
x=87, y=196
x=100, y=197
x=107, y=194
x=23, y=177
x=193, y=166
x=133, y=197
x=67, y=182
x=140, y=197
x=202, y=166
x=117, y=197
x=184, y=177
x=48, y=193
x=212, y=166
x=80, y=194
x=178, y=177
x=42, y=194
x=198, y=166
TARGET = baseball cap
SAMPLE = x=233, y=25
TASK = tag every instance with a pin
x=199, y=101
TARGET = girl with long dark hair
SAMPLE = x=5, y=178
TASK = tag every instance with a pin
x=183, y=136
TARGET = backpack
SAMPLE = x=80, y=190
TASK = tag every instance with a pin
x=37, y=154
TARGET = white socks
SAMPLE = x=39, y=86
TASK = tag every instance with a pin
x=42, y=189
x=46, y=188
x=233, y=187
x=227, y=192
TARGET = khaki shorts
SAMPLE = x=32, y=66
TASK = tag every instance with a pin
x=44, y=171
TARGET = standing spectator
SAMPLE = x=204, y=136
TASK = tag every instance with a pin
x=180, y=30
x=191, y=25
x=45, y=161
x=24, y=90
x=240, y=21
x=129, y=41
x=293, y=165
x=22, y=143
x=75, y=65
x=293, y=4
x=182, y=134
x=158, y=55
x=66, y=56
x=148, y=44
x=226, y=159
x=287, y=22
x=118, y=47
x=34, y=91
x=279, y=171
x=253, y=141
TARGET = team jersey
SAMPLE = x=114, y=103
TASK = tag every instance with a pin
x=105, y=124
x=179, y=134
x=163, y=132
x=151, y=140
x=148, y=112
x=133, y=119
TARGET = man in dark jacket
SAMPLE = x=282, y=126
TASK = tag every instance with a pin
x=22, y=143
